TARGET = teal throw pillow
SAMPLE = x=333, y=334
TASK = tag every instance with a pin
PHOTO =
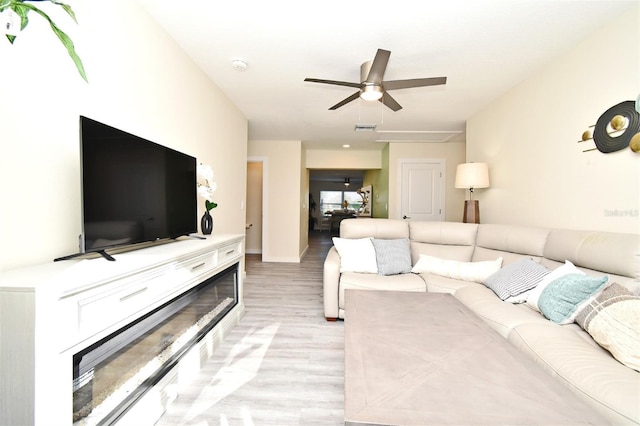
x=563, y=298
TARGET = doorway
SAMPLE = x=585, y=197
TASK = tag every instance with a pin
x=254, y=212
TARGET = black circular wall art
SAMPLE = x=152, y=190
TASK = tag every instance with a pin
x=607, y=143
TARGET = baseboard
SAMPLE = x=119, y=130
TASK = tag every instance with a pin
x=281, y=259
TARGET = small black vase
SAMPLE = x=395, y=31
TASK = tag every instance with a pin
x=206, y=223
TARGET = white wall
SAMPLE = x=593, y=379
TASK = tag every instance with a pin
x=139, y=81
x=539, y=174
x=282, y=206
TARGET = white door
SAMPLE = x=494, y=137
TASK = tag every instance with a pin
x=422, y=189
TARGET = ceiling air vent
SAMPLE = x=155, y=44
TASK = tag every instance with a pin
x=365, y=128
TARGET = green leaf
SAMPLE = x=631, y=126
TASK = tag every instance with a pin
x=21, y=10
x=67, y=9
x=11, y=38
x=210, y=205
x=64, y=38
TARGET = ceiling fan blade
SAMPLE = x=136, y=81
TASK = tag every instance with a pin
x=334, y=82
x=379, y=65
x=415, y=82
x=390, y=102
x=346, y=101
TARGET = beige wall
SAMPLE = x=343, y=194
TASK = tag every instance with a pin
x=539, y=174
x=282, y=207
x=139, y=81
x=342, y=159
x=304, y=204
x=453, y=153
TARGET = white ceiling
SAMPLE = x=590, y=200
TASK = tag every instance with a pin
x=484, y=47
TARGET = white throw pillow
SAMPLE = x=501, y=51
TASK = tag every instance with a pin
x=356, y=255
x=466, y=271
x=534, y=295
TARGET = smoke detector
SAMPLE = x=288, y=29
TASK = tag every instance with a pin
x=239, y=65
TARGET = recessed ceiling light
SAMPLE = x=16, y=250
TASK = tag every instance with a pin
x=346, y=146
x=239, y=64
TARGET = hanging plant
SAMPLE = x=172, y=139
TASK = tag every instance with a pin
x=21, y=9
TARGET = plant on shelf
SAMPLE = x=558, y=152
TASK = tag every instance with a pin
x=14, y=10
x=206, y=187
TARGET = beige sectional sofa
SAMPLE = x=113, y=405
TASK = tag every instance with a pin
x=566, y=351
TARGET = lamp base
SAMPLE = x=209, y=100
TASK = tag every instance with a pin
x=471, y=211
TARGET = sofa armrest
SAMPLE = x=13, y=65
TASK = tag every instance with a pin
x=331, y=284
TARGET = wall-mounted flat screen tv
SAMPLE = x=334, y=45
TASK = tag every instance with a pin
x=133, y=190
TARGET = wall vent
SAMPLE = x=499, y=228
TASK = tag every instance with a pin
x=365, y=127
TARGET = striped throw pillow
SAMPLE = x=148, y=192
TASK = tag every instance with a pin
x=516, y=278
x=393, y=256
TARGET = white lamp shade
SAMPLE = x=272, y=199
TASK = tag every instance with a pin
x=472, y=175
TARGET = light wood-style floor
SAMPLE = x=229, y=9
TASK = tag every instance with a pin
x=283, y=364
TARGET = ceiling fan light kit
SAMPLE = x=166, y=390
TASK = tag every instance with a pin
x=371, y=92
x=373, y=88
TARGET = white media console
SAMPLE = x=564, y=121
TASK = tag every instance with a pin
x=50, y=312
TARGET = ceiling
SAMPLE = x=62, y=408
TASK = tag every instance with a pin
x=484, y=47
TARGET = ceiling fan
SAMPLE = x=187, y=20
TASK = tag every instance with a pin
x=373, y=88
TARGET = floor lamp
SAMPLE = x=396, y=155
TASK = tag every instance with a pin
x=470, y=176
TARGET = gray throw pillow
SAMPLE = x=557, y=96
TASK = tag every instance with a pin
x=393, y=256
x=516, y=278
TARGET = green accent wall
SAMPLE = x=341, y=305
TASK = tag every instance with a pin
x=379, y=181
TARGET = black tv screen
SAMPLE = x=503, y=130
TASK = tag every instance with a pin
x=133, y=190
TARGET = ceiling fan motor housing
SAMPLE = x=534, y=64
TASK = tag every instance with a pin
x=364, y=71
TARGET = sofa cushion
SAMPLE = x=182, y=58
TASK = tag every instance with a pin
x=466, y=271
x=440, y=284
x=393, y=256
x=612, y=318
x=443, y=233
x=534, y=294
x=374, y=228
x=608, y=252
x=448, y=240
x=590, y=371
x=501, y=316
x=511, y=242
x=561, y=300
x=359, y=281
x=516, y=278
x=356, y=255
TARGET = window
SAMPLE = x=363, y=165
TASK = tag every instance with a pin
x=332, y=200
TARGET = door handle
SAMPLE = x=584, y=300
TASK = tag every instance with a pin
x=406, y=217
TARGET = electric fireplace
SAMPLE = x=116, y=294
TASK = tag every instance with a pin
x=112, y=374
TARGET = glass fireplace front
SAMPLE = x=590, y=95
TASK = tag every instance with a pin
x=112, y=374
